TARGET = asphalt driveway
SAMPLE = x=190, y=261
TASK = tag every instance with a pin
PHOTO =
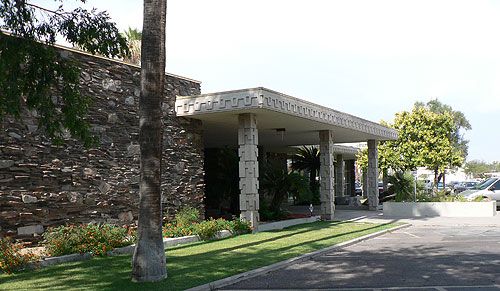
x=422, y=257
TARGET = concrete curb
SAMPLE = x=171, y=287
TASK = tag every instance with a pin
x=266, y=269
x=167, y=242
x=287, y=223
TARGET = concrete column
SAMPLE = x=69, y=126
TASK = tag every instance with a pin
x=326, y=190
x=372, y=173
x=339, y=176
x=248, y=168
x=351, y=177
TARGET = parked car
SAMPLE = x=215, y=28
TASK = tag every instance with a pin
x=380, y=187
x=450, y=186
x=462, y=186
x=430, y=186
x=489, y=188
x=359, y=190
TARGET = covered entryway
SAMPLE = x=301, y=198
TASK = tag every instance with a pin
x=255, y=117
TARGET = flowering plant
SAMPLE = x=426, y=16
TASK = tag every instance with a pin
x=11, y=259
x=97, y=239
x=206, y=229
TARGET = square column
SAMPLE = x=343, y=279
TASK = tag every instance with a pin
x=339, y=176
x=326, y=190
x=372, y=175
x=248, y=168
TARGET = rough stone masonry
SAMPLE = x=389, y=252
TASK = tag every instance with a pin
x=42, y=185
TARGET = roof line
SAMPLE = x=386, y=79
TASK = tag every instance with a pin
x=286, y=96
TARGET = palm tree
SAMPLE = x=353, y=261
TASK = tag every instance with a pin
x=134, y=39
x=148, y=261
x=307, y=158
x=278, y=182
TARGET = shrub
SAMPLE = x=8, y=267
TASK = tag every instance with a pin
x=97, y=239
x=207, y=228
x=10, y=257
x=239, y=226
x=403, y=185
x=187, y=215
x=442, y=197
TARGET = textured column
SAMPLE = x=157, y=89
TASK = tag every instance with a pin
x=326, y=189
x=372, y=173
x=248, y=168
x=339, y=176
x=350, y=177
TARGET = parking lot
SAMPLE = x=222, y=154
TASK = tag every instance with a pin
x=433, y=254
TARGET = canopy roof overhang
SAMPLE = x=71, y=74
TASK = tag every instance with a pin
x=282, y=120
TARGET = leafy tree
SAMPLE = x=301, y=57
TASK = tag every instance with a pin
x=134, y=38
x=307, y=158
x=148, y=261
x=425, y=139
x=459, y=121
x=37, y=76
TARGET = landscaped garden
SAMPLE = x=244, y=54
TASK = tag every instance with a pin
x=193, y=264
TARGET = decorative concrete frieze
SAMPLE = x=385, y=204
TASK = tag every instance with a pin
x=248, y=168
x=263, y=98
x=372, y=175
x=326, y=172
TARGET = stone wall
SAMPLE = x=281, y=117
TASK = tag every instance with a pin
x=42, y=185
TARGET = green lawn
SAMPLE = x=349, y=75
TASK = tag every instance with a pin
x=193, y=264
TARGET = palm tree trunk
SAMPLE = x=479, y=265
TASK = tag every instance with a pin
x=148, y=262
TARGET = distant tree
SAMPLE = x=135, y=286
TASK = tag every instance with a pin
x=477, y=168
x=134, y=38
x=35, y=75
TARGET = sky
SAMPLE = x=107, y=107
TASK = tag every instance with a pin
x=366, y=58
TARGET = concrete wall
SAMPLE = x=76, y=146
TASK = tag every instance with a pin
x=42, y=185
x=451, y=209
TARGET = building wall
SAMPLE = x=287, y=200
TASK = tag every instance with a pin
x=42, y=185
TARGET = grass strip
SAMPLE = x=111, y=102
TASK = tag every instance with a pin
x=194, y=264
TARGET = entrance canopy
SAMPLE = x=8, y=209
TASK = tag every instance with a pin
x=282, y=120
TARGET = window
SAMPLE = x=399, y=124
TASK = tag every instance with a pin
x=497, y=186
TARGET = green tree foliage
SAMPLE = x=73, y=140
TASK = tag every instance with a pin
x=134, y=38
x=277, y=182
x=426, y=139
x=459, y=121
x=478, y=168
x=37, y=76
x=307, y=158
x=402, y=184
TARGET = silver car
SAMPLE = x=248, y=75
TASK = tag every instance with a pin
x=462, y=186
x=489, y=188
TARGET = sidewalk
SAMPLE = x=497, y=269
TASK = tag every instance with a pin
x=378, y=217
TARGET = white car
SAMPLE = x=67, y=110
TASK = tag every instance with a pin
x=489, y=188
